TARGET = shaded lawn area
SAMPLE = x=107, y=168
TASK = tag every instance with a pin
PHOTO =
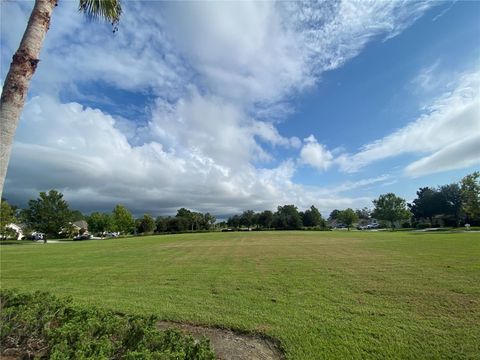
x=327, y=295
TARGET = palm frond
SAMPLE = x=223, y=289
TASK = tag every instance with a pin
x=109, y=10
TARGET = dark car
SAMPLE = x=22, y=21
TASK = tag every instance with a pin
x=82, y=237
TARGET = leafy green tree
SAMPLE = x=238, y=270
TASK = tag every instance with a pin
x=25, y=61
x=234, y=222
x=389, y=207
x=178, y=223
x=364, y=213
x=265, y=219
x=333, y=215
x=146, y=224
x=287, y=217
x=208, y=221
x=122, y=220
x=187, y=217
x=470, y=189
x=185, y=213
x=312, y=217
x=429, y=202
x=100, y=222
x=452, y=200
x=161, y=224
x=7, y=216
x=348, y=217
x=247, y=217
x=77, y=215
x=197, y=221
x=48, y=214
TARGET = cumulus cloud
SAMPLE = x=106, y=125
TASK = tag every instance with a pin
x=443, y=132
x=219, y=77
x=315, y=154
x=80, y=151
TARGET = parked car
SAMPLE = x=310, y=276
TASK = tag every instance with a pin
x=82, y=237
x=36, y=236
x=368, y=227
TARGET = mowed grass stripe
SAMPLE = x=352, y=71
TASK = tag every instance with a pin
x=322, y=294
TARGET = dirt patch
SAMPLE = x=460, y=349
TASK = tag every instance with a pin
x=230, y=345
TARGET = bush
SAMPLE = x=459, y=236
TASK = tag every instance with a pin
x=422, y=225
x=43, y=326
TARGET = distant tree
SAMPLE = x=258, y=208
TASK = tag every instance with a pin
x=99, y=222
x=146, y=224
x=178, y=224
x=185, y=213
x=312, y=217
x=364, y=213
x=161, y=224
x=234, y=222
x=429, y=202
x=48, y=214
x=208, y=221
x=287, y=217
x=389, y=207
x=123, y=220
x=246, y=219
x=265, y=219
x=221, y=225
x=452, y=199
x=470, y=190
x=77, y=215
x=7, y=216
x=348, y=217
x=187, y=217
x=333, y=215
x=197, y=222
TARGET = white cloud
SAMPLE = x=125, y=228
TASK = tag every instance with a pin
x=315, y=154
x=261, y=52
x=352, y=185
x=334, y=32
x=81, y=152
x=428, y=78
x=461, y=154
x=451, y=119
x=222, y=74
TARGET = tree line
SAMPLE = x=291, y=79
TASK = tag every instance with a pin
x=50, y=214
x=453, y=205
x=448, y=205
x=121, y=220
x=287, y=217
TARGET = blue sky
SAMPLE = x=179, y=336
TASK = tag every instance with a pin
x=228, y=106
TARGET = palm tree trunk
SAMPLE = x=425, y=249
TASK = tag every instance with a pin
x=16, y=84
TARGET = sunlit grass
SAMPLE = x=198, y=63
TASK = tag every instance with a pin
x=322, y=294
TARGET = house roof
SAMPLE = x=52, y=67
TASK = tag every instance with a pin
x=81, y=224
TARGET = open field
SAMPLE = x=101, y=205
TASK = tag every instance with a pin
x=324, y=295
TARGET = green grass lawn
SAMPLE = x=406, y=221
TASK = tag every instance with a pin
x=324, y=295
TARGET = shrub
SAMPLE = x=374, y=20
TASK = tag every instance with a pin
x=43, y=326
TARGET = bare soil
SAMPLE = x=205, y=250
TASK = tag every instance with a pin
x=230, y=345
